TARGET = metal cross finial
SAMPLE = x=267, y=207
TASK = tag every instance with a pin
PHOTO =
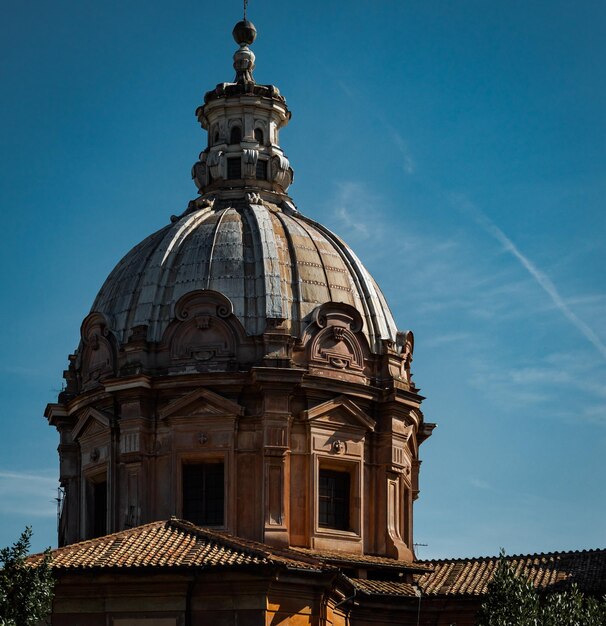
x=245, y=7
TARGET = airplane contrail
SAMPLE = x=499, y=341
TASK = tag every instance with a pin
x=539, y=276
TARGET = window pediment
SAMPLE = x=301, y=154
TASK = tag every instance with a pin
x=201, y=402
x=91, y=422
x=340, y=411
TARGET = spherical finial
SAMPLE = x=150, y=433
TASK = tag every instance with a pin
x=244, y=32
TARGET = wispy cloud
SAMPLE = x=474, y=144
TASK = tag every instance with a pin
x=449, y=338
x=30, y=494
x=350, y=207
x=478, y=483
x=19, y=370
x=442, y=272
x=408, y=162
x=347, y=90
x=544, y=282
x=536, y=385
x=465, y=298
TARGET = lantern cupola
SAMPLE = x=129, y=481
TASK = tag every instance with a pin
x=243, y=120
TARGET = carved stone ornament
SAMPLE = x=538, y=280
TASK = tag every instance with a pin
x=94, y=455
x=338, y=446
x=252, y=197
x=249, y=163
x=205, y=334
x=338, y=333
x=215, y=163
x=207, y=203
x=98, y=358
x=281, y=171
x=202, y=322
x=203, y=301
x=336, y=345
x=405, y=343
x=202, y=438
x=199, y=172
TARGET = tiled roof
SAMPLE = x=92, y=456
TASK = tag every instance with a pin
x=362, y=560
x=548, y=572
x=173, y=544
x=384, y=587
x=177, y=544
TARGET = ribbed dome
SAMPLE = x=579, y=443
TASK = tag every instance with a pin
x=271, y=263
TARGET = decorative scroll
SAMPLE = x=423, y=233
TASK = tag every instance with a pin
x=99, y=352
x=333, y=338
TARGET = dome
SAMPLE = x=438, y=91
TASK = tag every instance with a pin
x=240, y=363
x=269, y=260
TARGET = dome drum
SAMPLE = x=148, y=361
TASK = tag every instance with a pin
x=304, y=411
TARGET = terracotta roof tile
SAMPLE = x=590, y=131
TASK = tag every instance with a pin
x=177, y=544
x=361, y=560
x=383, y=587
x=550, y=571
x=173, y=543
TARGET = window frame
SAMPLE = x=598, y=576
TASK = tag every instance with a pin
x=202, y=460
x=338, y=501
x=264, y=165
x=234, y=159
x=235, y=128
x=354, y=469
x=92, y=482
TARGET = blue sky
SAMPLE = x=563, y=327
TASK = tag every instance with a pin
x=459, y=147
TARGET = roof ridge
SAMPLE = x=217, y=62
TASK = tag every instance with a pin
x=513, y=556
x=249, y=546
x=219, y=537
x=369, y=559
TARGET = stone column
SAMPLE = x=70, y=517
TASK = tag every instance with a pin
x=276, y=386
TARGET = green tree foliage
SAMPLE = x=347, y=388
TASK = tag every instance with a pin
x=572, y=608
x=26, y=590
x=513, y=601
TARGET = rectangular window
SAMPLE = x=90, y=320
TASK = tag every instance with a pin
x=99, y=512
x=204, y=493
x=262, y=169
x=234, y=168
x=334, y=499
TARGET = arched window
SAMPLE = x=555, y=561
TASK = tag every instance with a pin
x=235, y=135
x=259, y=136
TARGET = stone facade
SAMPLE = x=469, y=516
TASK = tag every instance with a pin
x=241, y=367
x=326, y=403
